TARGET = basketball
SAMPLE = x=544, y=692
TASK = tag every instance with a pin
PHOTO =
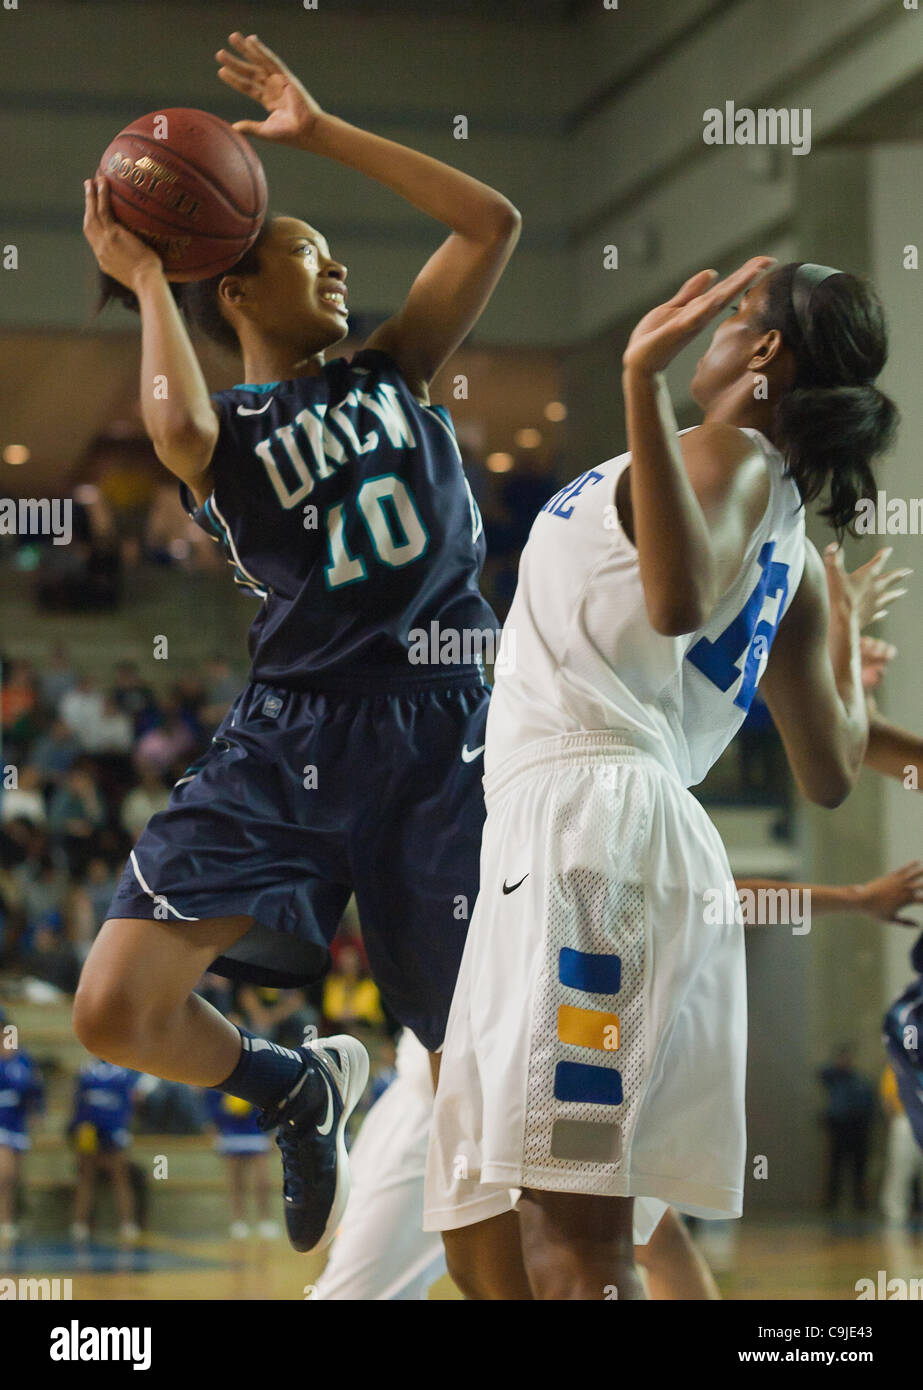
x=190, y=186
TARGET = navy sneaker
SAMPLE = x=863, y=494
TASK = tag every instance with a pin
x=315, y=1168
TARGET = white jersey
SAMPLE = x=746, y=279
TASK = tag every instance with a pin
x=579, y=652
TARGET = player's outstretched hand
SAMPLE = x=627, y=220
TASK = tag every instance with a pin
x=666, y=330
x=876, y=657
x=870, y=589
x=256, y=72
x=884, y=898
x=118, y=251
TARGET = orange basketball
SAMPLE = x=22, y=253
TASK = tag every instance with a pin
x=190, y=186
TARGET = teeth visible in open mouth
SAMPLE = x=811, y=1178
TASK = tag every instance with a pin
x=332, y=297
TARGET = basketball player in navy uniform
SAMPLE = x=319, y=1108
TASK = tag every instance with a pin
x=338, y=494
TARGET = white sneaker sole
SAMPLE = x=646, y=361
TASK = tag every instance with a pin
x=357, y=1074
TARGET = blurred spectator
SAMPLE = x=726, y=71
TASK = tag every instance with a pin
x=282, y=1015
x=22, y=1093
x=350, y=997
x=57, y=677
x=89, y=903
x=221, y=688
x=76, y=811
x=25, y=801
x=18, y=705
x=110, y=732
x=384, y=1072
x=104, y=1096
x=903, y=1160
x=81, y=708
x=848, y=1117
x=134, y=698
x=55, y=753
x=85, y=788
x=143, y=801
x=169, y=742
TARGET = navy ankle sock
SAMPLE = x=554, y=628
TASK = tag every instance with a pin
x=267, y=1072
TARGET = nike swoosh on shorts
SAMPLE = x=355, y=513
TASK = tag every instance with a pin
x=469, y=754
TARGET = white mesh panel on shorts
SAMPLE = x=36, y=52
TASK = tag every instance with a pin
x=595, y=904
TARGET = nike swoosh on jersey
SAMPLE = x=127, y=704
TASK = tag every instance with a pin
x=327, y=1124
x=469, y=754
x=511, y=887
x=245, y=409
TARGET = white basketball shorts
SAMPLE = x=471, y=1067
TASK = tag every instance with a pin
x=597, y=1036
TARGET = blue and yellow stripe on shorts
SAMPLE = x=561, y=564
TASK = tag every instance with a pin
x=586, y=1082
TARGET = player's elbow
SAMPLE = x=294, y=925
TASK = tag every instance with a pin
x=506, y=222
x=186, y=446
x=829, y=789
x=676, y=619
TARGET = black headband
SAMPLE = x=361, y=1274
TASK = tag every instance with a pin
x=806, y=279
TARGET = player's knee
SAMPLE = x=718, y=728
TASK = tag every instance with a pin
x=463, y=1268
x=106, y=1020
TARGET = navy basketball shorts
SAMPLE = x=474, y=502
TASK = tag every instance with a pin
x=304, y=798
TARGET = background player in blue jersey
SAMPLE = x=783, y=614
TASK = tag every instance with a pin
x=104, y=1096
x=339, y=496
x=21, y=1095
x=245, y=1147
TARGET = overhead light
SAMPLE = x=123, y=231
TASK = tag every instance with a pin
x=528, y=438
x=499, y=463
x=555, y=410
x=17, y=453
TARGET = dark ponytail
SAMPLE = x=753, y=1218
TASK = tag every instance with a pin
x=834, y=421
x=197, y=299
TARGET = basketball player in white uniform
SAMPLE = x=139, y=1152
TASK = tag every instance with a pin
x=597, y=1040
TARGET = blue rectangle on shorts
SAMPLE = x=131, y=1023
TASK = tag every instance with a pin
x=592, y=1085
x=592, y=974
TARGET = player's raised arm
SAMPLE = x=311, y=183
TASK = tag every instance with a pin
x=894, y=751
x=179, y=417
x=454, y=286
x=882, y=898
x=813, y=681
x=678, y=565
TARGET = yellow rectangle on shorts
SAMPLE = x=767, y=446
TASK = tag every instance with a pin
x=589, y=1028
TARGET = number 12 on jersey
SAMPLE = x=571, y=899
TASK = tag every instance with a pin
x=748, y=636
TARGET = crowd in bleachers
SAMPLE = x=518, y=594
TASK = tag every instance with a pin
x=85, y=765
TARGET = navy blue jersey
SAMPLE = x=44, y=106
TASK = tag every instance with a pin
x=343, y=505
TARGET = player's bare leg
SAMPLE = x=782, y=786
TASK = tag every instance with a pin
x=237, y=1196
x=135, y=1005
x=485, y=1259
x=262, y=1185
x=675, y=1267
x=83, y=1192
x=116, y=1164
x=578, y=1246
x=9, y=1176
